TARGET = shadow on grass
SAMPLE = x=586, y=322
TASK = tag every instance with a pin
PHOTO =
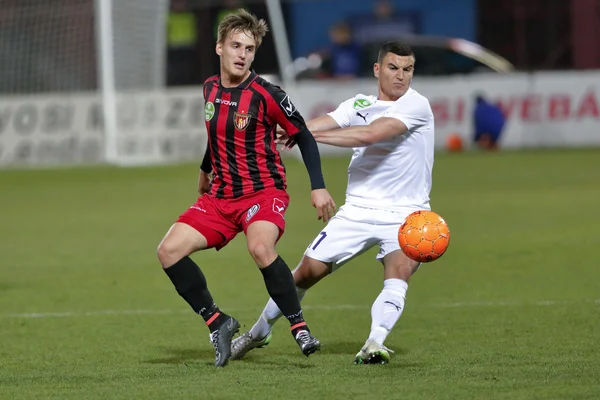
x=185, y=356
x=200, y=357
x=287, y=358
x=351, y=348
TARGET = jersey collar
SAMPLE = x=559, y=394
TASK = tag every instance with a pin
x=244, y=85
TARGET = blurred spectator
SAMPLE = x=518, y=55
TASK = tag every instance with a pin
x=182, y=35
x=344, y=53
x=489, y=122
x=384, y=24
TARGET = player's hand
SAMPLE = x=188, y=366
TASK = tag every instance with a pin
x=284, y=139
x=203, y=182
x=322, y=201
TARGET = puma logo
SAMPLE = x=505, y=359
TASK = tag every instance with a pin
x=398, y=308
x=362, y=116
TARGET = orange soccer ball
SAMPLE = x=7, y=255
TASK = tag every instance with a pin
x=424, y=236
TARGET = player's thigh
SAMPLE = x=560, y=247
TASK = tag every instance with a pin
x=265, y=206
x=262, y=218
x=201, y=226
x=264, y=232
x=341, y=240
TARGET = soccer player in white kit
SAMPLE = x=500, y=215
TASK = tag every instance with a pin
x=389, y=176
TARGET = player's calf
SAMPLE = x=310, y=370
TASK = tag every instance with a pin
x=280, y=285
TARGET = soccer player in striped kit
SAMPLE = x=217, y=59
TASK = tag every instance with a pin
x=248, y=191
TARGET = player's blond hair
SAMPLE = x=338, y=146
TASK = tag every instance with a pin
x=242, y=21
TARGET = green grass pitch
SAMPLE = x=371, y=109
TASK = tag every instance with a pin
x=511, y=311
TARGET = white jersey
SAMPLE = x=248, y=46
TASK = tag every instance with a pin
x=394, y=174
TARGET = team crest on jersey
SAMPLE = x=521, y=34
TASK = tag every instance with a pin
x=209, y=110
x=278, y=206
x=361, y=103
x=241, y=120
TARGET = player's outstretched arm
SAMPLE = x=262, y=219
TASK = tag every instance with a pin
x=360, y=136
x=322, y=123
x=321, y=199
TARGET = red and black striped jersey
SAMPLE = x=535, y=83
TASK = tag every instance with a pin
x=241, y=123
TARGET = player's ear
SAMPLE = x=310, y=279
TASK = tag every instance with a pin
x=219, y=49
x=376, y=70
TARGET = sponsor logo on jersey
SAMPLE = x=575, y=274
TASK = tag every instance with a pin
x=226, y=102
x=252, y=212
x=362, y=116
x=361, y=103
x=241, y=120
x=209, y=110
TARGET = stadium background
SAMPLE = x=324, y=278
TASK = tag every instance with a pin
x=101, y=133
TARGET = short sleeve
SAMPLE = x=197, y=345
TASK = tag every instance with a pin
x=282, y=111
x=343, y=114
x=414, y=111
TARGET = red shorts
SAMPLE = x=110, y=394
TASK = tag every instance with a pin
x=220, y=220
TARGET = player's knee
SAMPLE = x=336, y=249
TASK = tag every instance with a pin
x=303, y=279
x=168, y=253
x=263, y=254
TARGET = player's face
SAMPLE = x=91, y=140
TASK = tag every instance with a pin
x=237, y=54
x=395, y=74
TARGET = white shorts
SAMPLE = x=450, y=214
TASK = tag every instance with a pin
x=354, y=230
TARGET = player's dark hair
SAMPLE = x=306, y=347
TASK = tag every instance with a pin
x=397, y=47
x=242, y=21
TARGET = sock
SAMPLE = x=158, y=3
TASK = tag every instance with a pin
x=387, y=308
x=190, y=283
x=269, y=316
x=280, y=285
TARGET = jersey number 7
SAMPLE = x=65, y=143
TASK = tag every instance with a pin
x=322, y=236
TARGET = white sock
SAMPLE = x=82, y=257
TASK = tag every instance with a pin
x=269, y=316
x=387, y=308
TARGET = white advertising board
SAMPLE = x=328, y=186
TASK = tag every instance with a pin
x=554, y=109
x=558, y=109
x=68, y=128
